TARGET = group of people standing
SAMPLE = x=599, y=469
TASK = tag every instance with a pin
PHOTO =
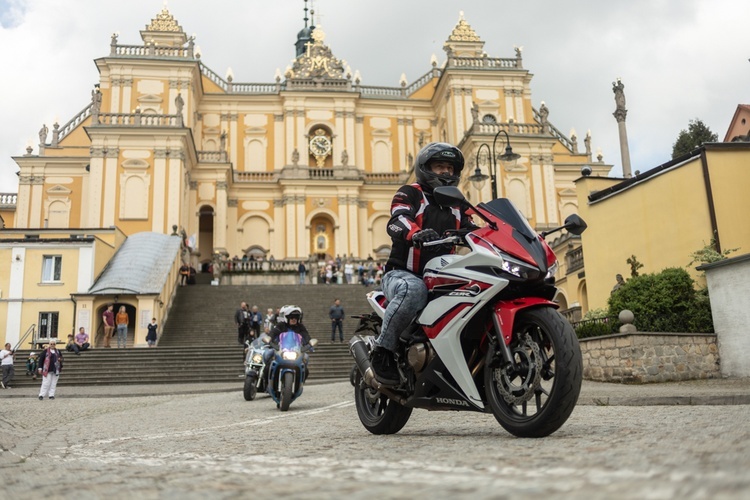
x=120, y=322
x=48, y=364
x=249, y=322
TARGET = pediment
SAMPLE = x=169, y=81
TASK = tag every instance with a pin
x=150, y=98
x=135, y=163
x=255, y=131
x=211, y=131
x=58, y=190
x=381, y=132
x=567, y=192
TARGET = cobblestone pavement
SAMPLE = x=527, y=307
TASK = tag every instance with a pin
x=216, y=445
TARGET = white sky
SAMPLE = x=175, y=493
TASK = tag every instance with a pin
x=678, y=59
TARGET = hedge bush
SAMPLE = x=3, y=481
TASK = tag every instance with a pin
x=664, y=302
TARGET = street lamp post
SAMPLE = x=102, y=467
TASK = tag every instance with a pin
x=478, y=178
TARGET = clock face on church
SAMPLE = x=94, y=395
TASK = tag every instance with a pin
x=320, y=145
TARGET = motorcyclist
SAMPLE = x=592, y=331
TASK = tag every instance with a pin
x=415, y=219
x=289, y=318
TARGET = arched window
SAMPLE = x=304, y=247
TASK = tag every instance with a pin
x=381, y=161
x=489, y=119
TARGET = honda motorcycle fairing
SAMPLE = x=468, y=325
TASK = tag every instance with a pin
x=489, y=339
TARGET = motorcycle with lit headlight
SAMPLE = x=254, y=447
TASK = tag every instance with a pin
x=490, y=338
x=287, y=370
x=254, y=368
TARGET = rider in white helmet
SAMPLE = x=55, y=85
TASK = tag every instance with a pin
x=289, y=318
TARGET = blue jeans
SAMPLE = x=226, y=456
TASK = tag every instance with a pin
x=302, y=277
x=122, y=335
x=337, y=323
x=407, y=295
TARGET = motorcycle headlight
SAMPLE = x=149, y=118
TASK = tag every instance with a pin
x=552, y=271
x=257, y=358
x=289, y=355
x=519, y=269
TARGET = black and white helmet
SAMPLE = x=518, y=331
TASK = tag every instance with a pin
x=290, y=311
x=438, y=151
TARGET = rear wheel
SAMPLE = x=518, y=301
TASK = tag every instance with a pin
x=287, y=381
x=378, y=413
x=249, y=391
x=538, y=397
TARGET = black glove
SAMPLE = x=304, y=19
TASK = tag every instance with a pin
x=424, y=236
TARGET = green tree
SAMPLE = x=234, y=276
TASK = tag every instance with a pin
x=696, y=134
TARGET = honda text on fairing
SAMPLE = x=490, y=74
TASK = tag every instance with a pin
x=287, y=371
x=255, y=382
x=490, y=338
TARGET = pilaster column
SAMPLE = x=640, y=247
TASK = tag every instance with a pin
x=220, y=222
x=160, y=189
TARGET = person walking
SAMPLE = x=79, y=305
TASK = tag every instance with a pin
x=336, y=313
x=122, y=320
x=108, y=320
x=50, y=366
x=151, y=335
x=302, y=270
x=6, y=362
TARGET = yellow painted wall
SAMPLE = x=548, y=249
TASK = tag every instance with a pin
x=663, y=219
x=730, y=179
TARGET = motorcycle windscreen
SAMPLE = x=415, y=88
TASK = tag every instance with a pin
x=289, y=341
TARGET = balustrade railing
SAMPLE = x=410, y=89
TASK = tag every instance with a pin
x=255, y=177
x=385, y=178
x=74, y=122
x=8, y=199
x=483, y=62
x=555, y=132
x=212, y=156
x=574, y=260
x=321, y=173
x=139, y=120
x=152, y=50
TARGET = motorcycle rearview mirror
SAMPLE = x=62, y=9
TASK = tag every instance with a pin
x=573, y=224
x=451, y=196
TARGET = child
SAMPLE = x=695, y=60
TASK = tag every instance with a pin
x=151, y=335
x=32, y=365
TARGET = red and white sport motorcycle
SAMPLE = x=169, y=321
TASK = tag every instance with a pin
x=490, y=338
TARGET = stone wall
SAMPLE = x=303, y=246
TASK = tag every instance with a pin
x=650, y=357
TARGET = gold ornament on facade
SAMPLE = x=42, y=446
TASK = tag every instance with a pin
x=317, y=61
x=463, y=33
x=164, y=21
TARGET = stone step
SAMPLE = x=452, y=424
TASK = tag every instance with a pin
x=199, y=339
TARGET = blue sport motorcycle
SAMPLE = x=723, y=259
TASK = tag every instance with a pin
x=288, y=369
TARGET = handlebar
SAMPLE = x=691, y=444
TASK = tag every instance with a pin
x=448, y=240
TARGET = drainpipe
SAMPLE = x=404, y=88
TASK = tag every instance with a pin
x=710, y=198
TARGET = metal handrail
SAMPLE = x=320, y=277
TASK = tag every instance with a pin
x=29, y=331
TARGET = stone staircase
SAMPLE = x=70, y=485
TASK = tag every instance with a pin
x=199, y=341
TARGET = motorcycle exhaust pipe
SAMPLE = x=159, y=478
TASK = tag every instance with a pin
x=361, y=355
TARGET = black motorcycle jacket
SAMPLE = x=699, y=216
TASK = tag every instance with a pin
x=412, y=210
x=282, y=327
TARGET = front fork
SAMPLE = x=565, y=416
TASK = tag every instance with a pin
x=503, y=318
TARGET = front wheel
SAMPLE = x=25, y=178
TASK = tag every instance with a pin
x=536, y=398
x=249, y=391
x=378, y=413
x=287, y=382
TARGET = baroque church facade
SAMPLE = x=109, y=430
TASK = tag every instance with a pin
x=301, y=167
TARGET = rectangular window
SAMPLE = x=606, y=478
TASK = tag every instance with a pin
x=51, y=267
x=48, y=325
